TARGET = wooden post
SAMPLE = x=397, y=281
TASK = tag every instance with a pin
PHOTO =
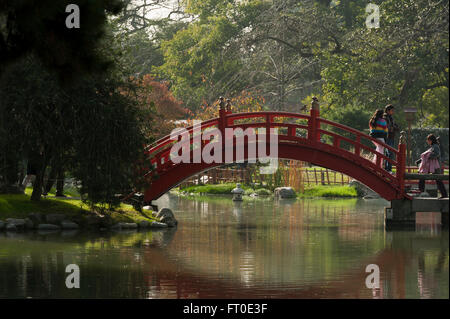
x=357, y=145
x=401, y=162
x=312, y=132
x=222, y=123
x=214, y=176
x=228, y=107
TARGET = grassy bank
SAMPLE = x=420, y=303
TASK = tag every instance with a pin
x=310, y=191
x=329, y=191
x=222, y=189
x=19, y=206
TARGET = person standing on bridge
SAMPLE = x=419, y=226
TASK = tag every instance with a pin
x=392, y=130
x=378, y=130
x=430, y=163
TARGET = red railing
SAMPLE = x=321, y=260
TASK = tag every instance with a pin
x=315, y=133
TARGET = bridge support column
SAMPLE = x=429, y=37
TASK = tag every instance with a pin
x=444, y=220
x=400, y=215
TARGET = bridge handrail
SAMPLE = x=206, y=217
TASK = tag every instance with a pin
x=159, y=153
x=272, y=114
x=357, y=133
x=238, y=116
x=269, y=115
x=166, y=139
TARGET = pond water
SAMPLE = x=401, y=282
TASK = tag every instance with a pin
x=223, y=249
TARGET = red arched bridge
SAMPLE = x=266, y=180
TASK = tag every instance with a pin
x=302, y=137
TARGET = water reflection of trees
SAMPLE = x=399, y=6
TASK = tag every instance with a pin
x=286, y=242
x=284, y=239
x=285, y=250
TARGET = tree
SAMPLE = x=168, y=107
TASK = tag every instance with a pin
x=96, y=128
x=163, y=108
x=402, y=62
x=244, y=102
x=38, y=27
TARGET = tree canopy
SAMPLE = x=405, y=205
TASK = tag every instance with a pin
x=39, y=27
x=94, y=96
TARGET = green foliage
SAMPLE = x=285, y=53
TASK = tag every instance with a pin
x=329, y=191
x=432, y=111
x=263, y=192
x=193, y=59
x=404, y=62
x=224, y=188
x=108, y=141
x=91, y=124
x=419, y=144
x=287, y=50
x=19, y=206
x=258, y=191
x=356, y=116
x=39, y=27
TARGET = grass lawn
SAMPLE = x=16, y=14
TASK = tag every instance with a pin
x=310, y=191
x=19, y=206
x=329, y=191
x=224, y=188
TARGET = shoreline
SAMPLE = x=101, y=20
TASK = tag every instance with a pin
x=316, y=191
x=19, y=213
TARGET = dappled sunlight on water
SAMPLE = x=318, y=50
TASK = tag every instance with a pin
x=224, y=249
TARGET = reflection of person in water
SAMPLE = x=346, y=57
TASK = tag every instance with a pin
x=428, y=282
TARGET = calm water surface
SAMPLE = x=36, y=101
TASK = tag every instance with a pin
x=221, y=249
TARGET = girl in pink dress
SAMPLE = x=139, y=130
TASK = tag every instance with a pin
x=430, y=163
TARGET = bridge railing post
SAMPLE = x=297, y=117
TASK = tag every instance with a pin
x=222, y=115
x=222, y=123
x=228, y=107
x=401, y=161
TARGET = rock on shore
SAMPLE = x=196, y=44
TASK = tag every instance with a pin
x=54, y=222
x=284, y=192
x=363, y=191
x=48, y=227
x=166, y=216
x=35, y=221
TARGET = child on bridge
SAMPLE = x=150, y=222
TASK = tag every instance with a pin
x=378, y=130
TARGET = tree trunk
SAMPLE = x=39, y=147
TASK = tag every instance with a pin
x=37, y=186
x=39, y=182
